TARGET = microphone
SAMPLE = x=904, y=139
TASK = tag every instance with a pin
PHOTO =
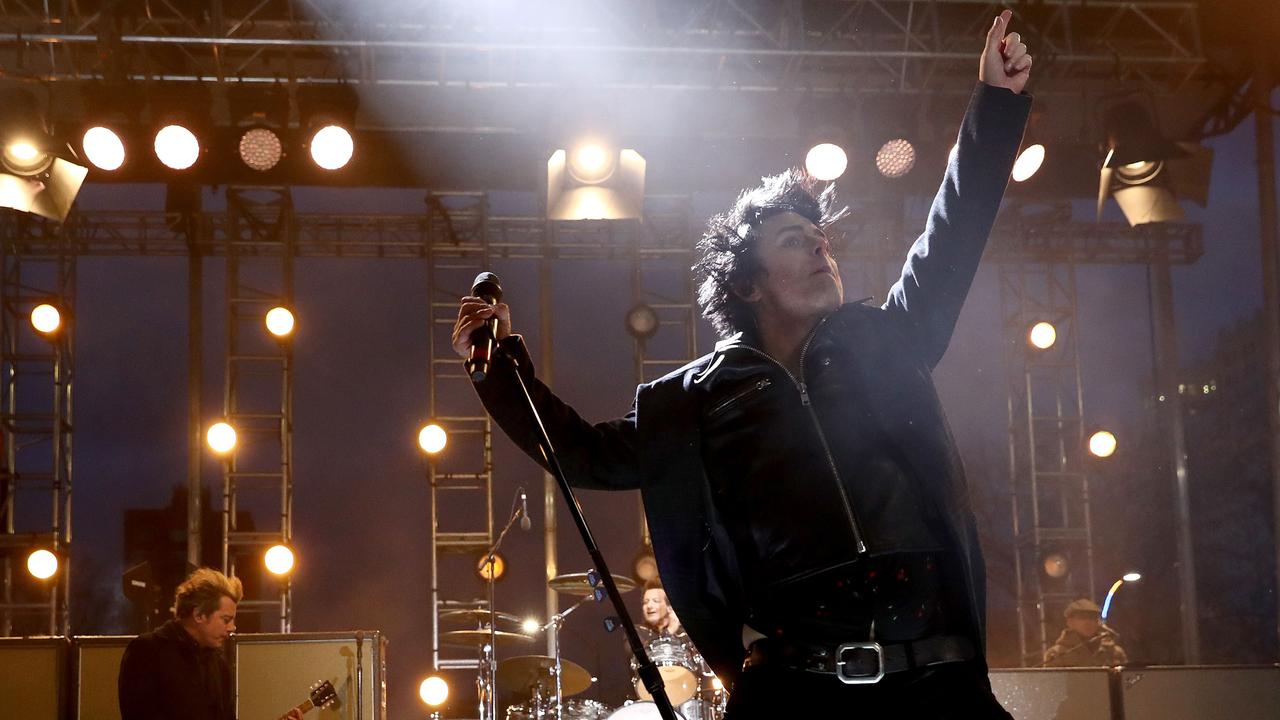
x=525, y=522
x=484, y=338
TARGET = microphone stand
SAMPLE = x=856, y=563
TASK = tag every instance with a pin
x=489, y=707
x=647, y=671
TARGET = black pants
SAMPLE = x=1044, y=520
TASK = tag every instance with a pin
x=943, y=692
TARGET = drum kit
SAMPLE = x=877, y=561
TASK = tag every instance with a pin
x=544, y=684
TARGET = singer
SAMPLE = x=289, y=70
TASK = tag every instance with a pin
x=807, y=504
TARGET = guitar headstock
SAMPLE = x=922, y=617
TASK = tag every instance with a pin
x=323, y=695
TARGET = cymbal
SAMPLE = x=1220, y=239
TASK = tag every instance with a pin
x=576, y=584
x=481, y=636
x=478, y=616
x=517, y=674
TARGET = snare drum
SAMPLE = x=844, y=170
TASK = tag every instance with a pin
x=678, y=666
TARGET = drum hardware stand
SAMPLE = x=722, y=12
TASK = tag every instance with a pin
x=488, y=652
x=553, y=625
x=647, y=671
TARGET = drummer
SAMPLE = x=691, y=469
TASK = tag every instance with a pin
x=659, y=617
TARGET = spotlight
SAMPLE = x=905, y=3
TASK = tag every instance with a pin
x=1102, y=444
x=103, y=147
x=826, y=161
x=279, y=559
x=177, y=147
x=279, y=322
x=644, y=566
x=642, y=322
x=434, y=691
x=595, y=183
x=896, y=158
x=1055, y=565
x=25, y=159
x=46, y=319
x=499, y=567
x=1042, y=335
x=221, y=438
x=42, y=564
x=1028, y=162
x=260, y=148
x=332, y=147
x=1146, y=172
x=591, y=164
x=432, y=438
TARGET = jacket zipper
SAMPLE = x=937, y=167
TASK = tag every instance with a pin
x=726, y=404
x=854, y=526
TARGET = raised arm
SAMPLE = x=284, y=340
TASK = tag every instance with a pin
x=943, y=261
x=599, y=456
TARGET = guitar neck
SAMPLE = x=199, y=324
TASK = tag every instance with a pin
x=304, y=708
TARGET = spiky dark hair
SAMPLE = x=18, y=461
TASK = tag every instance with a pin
x=725, y=253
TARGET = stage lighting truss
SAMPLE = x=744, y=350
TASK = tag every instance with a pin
x=896, y=158
x=260, y=148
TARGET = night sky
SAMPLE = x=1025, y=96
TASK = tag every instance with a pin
x=361, y=500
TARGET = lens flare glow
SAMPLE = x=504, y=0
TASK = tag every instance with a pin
x=434, y=691
x=432, y=438
x=103, y=147
x=42, y=564
x=279, y=560
x=332, y=147
x=46, y=319
x=530, y=626
x=826, y=161
x=1102, y=444
x=279, y=322
x=1042, y=335
x=1132, y=577
x=221, y=438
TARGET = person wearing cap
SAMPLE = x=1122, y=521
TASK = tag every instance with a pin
x=1086, y=641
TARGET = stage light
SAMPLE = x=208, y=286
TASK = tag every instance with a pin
x=1042, y=335
x=591, y=163
x=1102, y=444
x=644, y=566
x=1146, y=172
x=261, y=149
x=278, y=559
x=1028, y=162
x=530, y=626
x=642, y=322
x=614, y=191
x=896, y=158
x=826, y=161
x=499, y=567
x=24, y=159
x=432, y=438
x=279, y=322
x=177, y=147
x=1055, y=565
x=42, y=564
x=103, y=147
x=332, y=147
x=46, y=319
x=1132, y=577
x=221, y=438
x=434, y=691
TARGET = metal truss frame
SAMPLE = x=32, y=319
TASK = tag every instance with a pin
x=35, y=427
x=841, y=46
x=464, y=479
x=258, y=365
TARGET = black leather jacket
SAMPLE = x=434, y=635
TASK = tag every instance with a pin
x=166, y=674
x=887, y=353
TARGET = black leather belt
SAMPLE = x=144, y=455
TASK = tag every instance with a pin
x=857, y=663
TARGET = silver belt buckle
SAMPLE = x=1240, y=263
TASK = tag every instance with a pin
x=860, y=679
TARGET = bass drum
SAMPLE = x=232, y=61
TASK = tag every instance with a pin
x=573, y=710
x=647, y=710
